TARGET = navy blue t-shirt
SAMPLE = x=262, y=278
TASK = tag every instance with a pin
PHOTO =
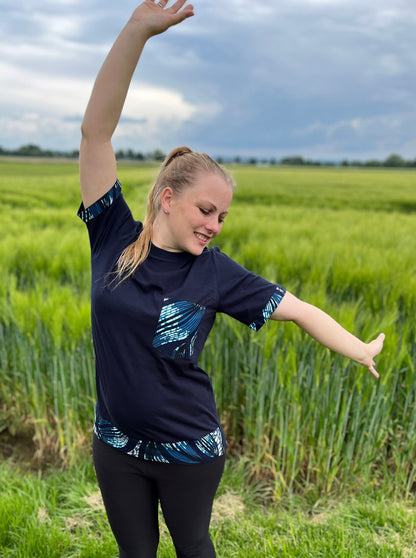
x=149, y=330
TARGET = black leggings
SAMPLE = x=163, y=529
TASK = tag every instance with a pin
x=131, y=489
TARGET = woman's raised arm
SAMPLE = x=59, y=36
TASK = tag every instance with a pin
x=97, y=162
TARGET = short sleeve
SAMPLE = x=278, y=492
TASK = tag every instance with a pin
x=247, y=297
x=86, y=214
x=109, y=221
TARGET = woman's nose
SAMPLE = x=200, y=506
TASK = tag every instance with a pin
x=213, y=226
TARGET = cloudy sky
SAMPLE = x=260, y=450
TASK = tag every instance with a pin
x=325, y=79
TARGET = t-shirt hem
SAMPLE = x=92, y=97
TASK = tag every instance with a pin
x=202, y=450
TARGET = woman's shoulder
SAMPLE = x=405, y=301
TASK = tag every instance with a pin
x=109, y=220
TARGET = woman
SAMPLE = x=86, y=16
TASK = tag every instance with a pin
x=156, y=289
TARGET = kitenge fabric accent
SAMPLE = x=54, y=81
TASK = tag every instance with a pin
x=178, y=322
x=88, y=213
x=203, y=450
x=270, y=307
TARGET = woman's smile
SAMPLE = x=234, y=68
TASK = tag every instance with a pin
x=203, y=238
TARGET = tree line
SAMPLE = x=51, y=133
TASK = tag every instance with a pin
x=392, y=161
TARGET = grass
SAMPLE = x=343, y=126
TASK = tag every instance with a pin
x=59, y=514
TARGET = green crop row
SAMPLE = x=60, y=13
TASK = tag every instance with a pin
x=303, y=418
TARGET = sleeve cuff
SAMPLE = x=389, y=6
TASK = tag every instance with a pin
x=269, y=308
x=87, y=214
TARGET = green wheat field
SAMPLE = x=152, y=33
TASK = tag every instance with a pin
x=321, y=455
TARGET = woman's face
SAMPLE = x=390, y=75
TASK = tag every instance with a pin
x=196, y=215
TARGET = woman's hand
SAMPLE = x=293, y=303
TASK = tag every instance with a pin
x=154, y=18
x=373, y=349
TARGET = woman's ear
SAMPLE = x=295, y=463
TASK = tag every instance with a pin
x=166, y=199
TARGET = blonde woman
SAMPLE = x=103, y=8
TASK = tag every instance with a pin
x=156, y=288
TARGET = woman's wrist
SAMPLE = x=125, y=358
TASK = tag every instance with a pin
x=140, y=28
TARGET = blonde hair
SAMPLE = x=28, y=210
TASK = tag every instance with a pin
x=178, y=172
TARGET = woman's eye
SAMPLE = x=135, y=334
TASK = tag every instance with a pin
x=203, y=211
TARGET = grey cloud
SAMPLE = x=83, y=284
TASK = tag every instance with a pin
x=275, y=68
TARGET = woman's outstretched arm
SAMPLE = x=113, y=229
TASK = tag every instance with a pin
x=328, y=332
x=97, y=161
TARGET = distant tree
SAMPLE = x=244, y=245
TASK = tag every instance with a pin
x=293, y=160
x=157, y=155
x=29, y=150
x=394, y=160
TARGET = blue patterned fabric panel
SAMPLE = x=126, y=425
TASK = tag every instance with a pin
x=87, y=214
x=205, y=449
x=269, y=308
x=177, y=328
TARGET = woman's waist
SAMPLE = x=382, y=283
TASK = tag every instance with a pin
x=201, y=449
